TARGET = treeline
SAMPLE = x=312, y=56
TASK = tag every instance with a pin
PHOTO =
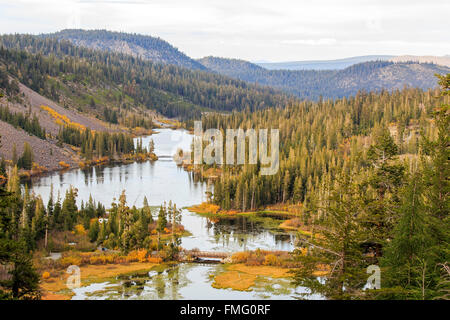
x=24, y=121
x=315, y=140
x=96, y=143
x=370, y=175
x=390, y=219
x=171, y=90
x=119, y=228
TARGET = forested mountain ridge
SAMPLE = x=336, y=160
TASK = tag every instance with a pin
x=170, y=90
x=313, y=84
x=335, y=64
x=146, y=47
x=305, y=84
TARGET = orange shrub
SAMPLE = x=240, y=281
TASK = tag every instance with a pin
x=142, y=255
x=154, y=259
x=46, y=275
x=240, y=257
x=63, y=165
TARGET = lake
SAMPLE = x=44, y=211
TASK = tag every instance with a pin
x=160, y=181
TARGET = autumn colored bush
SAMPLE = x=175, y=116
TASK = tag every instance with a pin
x=62, y=119
x=271, y=260
x=240, y=257
x=69, y=261
x=63, y=165
x=79, y=229
x=142, y=255
x=154, y=259
x=205, y=207
x=265, y=257
x=137, y=256
x=46, y=275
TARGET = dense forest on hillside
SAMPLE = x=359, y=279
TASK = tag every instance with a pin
x=313, y=84
x=170, y=90
x=370, y=174
x=145, y=47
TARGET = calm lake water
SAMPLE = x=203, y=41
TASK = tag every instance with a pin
x=162, y=181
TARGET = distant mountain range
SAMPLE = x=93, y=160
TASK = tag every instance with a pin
x=305, y=79
x=321, y=64
x=443, y=61
x=340, y=64
x=312, y=84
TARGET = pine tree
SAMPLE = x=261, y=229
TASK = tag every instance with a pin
x=339, y=245
x=14, y=154
x=125, y=217
x=24, y=282
x=69, y=209
x=411, y=239
x=161, y=223
x=94, y=231
x=26, y=160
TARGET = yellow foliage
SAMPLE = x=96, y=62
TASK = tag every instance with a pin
x=271, y=260
x=46, y=275
x=62, y=119
x=240, y=257
x=142, y=255
x=79, y=229
x=137, y=256
x=304, y=251
x=234, y=280
x=64, y=165
x=205, y=208
x=70, y=260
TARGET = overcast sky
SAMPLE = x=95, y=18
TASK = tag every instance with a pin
x=278, y=30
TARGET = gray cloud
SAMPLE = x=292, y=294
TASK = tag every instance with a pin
x=253, y=29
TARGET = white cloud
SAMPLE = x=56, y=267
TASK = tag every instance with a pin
x=311, y=42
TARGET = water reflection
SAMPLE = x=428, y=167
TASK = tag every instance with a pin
x=186, y=281
x=163, y=181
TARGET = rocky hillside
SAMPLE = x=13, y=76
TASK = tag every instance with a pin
x=47, y=152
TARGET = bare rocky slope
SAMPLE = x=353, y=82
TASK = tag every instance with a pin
x=46, y=152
